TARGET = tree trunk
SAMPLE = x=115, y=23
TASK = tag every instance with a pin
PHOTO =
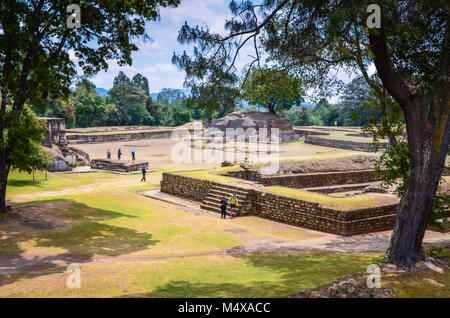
x=272, y=109
x=4, y=171
x=414, y=211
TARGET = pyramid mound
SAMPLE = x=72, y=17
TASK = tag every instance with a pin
x=257, y=120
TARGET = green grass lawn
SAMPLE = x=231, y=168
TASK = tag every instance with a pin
x=128, y=245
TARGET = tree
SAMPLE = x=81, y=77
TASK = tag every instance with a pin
x=272, y=88
x=57, y=108
x=299, y=116
x=26, y=134
x=121, y=78
x=35, y=41
x=130, y=102
x=411, y=54
x=90, y=107
x=355, y=93
x=141, y=81
x=181, y=117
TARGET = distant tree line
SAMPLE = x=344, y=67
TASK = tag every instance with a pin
x=128, y=103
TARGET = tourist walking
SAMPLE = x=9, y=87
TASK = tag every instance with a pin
x=223, y=208
x=108, y=154
x=233, y=202
x=144, y=171
x=133, y=154
x=119, y=154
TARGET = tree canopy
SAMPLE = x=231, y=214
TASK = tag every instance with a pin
x=272, y=88
x=36, y=45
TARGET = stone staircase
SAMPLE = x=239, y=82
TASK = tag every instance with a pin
x=218, y=191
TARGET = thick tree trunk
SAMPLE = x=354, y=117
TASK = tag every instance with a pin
x=272, y=109
x=414, y=211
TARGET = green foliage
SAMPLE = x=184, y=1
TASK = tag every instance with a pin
x=90, y=107
x=272, y=88
x=299, y=116
x=121, y=78
x=355, y=93
x=59, y=109
x=141, y=81
x=130, y=102
x=180, y=118
x=25, y=141
x=441, y=207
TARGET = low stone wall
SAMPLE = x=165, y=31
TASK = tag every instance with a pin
x=183, y=186
x=250, y=175
x=292, y=210
x=84, y=138
x=308, y=180
x=304, y=132
x=312, y=216
x=343, y=144
x=118, y=165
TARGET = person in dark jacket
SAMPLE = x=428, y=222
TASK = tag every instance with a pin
x=223, y=208
x=144, y=171
x=119, y=154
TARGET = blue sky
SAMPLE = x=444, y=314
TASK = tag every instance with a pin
x=153, y=60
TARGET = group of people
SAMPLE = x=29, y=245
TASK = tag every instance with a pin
x=133, y=157
x=119, y=154
x=232, y=201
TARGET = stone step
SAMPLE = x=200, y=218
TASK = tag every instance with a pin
x=229, y=190
x=215, y=209
x=215, y=202
x=219, y=195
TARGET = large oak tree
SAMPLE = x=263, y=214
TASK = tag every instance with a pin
x=313, y=38
x=36, y=44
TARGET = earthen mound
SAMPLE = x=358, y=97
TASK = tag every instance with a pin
x=257, y=120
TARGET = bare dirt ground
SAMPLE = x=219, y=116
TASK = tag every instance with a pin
x=354, y=162
x=158, y=152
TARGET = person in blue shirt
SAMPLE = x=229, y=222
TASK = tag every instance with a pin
x=143, y=174
x=133, y=154
x=223, y=208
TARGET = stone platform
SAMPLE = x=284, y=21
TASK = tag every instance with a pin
x=118, y=165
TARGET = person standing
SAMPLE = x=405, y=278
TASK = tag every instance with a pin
x=144, y=171
x=108, y=154
x=119, y=154
x=133, y=153
x=233, y=202
x=223, y=208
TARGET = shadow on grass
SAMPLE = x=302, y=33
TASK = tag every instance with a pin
x=285, y=274
x=65, y=224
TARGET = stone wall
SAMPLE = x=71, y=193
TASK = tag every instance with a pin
x=343, y=144
x=308, y=180
x=118, y=165
x=312, y=216
x=183, y=186
x=85, y=138
x=292, y=210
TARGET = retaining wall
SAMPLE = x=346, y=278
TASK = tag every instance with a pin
x=309, y=180
x=292, y=210
x=343, y=144
x=82, y=138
